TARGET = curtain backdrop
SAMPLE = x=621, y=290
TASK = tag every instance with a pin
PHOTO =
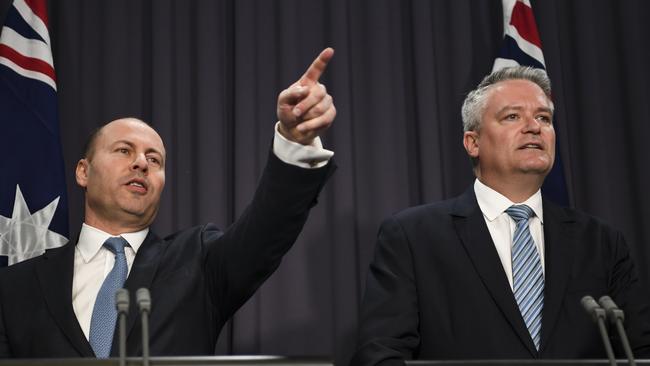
x=206, y=74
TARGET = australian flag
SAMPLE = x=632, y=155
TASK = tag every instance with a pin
x=33, y=200
x=522, y=46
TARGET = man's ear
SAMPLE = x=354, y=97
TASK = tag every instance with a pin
x=81, y=172
x=471, y=143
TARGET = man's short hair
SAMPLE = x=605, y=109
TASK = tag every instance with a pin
x=89, y=146
x=474, y=103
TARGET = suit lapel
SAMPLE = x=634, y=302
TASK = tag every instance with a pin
x=559, y=235
x=473, y=232
x=141, y=275
x=54, y=274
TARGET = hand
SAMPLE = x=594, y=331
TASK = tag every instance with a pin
x=305, y=109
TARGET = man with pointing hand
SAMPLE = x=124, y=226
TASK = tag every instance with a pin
x=55, y=305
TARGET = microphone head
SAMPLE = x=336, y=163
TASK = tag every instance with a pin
x=592, y=307
x=589, y=303
x=607, y=303
x=143, y=299
x=611, y=308
x=122, y=301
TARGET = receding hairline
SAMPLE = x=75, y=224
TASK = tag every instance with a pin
x=89, y=146
x=492, y=88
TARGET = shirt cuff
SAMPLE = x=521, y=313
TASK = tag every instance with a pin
x=305, y=156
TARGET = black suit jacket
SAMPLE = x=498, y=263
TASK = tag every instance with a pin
x=436, y=289
x=198, y=277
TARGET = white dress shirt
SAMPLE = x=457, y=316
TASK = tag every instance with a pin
x=501, y=226
x=93, y=262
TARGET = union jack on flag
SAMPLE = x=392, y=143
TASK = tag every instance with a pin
x=523, y=46
x=33, y=199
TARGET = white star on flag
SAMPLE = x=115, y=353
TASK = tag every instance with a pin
x=26, y=235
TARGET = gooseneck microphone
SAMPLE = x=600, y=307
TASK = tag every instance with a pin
x=122, y=305
x=143, y=299
x=616, y=317
x=598, y=314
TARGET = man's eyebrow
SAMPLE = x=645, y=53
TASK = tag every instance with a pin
x=126, y=142
x=510, y=107
x=518, y=108
x=131, y=144
x=154, y=150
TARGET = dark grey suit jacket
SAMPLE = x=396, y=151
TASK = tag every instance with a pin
x=436, y=289
x=198, y=277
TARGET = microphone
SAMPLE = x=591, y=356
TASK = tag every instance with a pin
x=143, y=299
x=616, y=317
x=122, y=305
x=598, y=314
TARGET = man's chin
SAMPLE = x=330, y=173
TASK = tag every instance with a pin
x=138, y=216
x=541, y=171
x=537, y=166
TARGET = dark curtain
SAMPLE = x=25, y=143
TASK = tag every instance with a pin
x=206, y=74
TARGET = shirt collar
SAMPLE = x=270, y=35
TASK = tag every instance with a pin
x=91, y=240
x=493, y=203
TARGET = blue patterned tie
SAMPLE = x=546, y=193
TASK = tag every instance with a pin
x=102, y=323
x=527, y=275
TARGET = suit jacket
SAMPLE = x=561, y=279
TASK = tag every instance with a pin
x=436, y=289
x=198, y=277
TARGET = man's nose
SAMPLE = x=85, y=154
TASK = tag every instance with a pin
x=140, y=163
x=533, y=125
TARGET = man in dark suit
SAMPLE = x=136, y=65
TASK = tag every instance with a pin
x=498, y=272
x=53, y=305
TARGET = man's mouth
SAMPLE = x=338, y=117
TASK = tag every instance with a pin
x=532, y=146
x=138, y=185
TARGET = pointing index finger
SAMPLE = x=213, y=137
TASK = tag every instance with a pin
x=317, y=67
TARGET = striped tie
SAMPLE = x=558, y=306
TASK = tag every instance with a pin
x=527, y=275
x=102, y=322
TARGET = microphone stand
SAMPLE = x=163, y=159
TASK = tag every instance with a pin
x=616, y=317
x=598, y=314
x=143, y=299
x=122, y=305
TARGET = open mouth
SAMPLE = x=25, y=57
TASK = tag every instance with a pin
x=532, y=146
x=137, y=185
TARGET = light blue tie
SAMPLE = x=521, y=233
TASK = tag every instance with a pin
x=102, y=323
x=527, y=275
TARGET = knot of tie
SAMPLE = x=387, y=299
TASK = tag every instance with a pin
x=116, y=244
x=520, y=212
